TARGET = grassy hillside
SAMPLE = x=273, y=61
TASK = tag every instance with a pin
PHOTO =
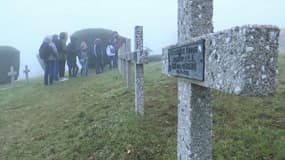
x=93, y=118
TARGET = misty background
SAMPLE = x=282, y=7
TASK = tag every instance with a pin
x=24, y=23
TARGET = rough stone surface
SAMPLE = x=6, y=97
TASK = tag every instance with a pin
x=194, y=122
x=194, y=18
x=139, y=71
x=139, y=89
x=140, y=56
x=241, y=60
x=194, y=102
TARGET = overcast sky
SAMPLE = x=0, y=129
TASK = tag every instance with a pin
x=24, y=23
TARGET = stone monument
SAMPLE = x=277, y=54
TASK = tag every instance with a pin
x=26, y=72
x=241, y=61
x=13, y=75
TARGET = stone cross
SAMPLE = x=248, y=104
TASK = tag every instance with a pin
x=13, y=75
x=125, y=62
x=26, y=71
x=240, y=61
x=138, y=57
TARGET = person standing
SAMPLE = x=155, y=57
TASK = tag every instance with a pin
x=55, y=41
x=83, y=58
x=116, y=48
x=62, y=51
x=110, y=50
x=99, y=58
x=48, y=53
x=71, y=57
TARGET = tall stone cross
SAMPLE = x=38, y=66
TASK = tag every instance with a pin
x=26, y=71
x=138, y=57
x=139, y=60
x=240, y=61
x=13, y=75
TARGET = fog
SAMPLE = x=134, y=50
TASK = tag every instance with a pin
x=24, y=23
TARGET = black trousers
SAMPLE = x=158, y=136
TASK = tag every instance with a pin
x=73, y=70
x=99, y=64
x=61, y=68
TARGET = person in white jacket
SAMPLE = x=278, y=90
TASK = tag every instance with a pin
x=110, y=50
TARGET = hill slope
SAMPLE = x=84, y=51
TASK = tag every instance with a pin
x=93, y=118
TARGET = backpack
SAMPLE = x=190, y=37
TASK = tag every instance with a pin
x=45, y=51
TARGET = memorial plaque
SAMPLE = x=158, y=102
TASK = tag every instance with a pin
x=187, y=60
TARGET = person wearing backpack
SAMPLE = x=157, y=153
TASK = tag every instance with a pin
x=48, y=53
x=62, y=51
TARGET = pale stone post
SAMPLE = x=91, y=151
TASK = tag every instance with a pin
x=139, y=71
x=121, y=59
x=129, y=64
x=194, y=107
x=241, y=61
x=13, y=75
x=26, y=71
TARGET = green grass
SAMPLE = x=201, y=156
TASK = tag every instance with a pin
x=93, y=118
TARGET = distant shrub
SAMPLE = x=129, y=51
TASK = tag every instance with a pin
x=9, y=56
x=90, y=35
x=154, y=58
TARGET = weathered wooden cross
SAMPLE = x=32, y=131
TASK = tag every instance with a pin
x=26, y=72
x=138, y=57
x=13, y=75
x=240, y=61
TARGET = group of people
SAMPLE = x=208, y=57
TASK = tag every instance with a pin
x=55, y=53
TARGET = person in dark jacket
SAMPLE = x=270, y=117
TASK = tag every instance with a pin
x=62, y=51
x=49, y=47
x=99, y=58
x=72, y=53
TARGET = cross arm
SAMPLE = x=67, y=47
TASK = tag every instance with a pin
x=138, y=57
x=242, y=60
